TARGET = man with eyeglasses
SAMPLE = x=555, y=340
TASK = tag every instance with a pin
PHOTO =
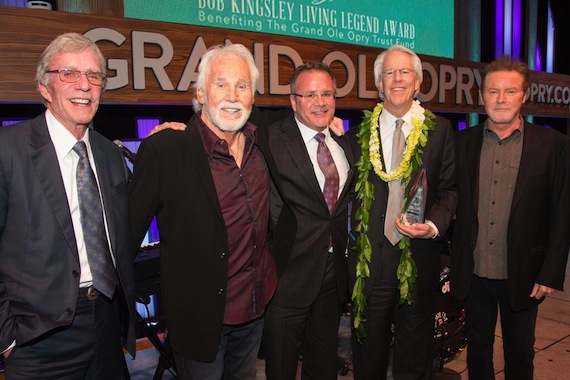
x=394, y=143
x=66, y=274
x=309, y=209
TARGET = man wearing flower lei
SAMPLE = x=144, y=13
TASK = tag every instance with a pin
x=395, y=284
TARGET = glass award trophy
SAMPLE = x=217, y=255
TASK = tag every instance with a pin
x=416, y=202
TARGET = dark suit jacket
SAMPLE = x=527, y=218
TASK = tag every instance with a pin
x=304, y=225
x=39, y=262
x=438, y=160
x=538, y=234
x=173, y=180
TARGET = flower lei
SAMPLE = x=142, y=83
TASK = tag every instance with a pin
x=369, y=141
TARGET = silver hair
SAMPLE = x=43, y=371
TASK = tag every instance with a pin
x=379, y=65
x=66, y=43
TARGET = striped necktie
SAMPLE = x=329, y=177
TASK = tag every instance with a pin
x=100, y=262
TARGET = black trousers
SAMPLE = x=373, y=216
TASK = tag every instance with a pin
x=90, y=348
x=311, y=332
x=486, y=297
x=413, y=328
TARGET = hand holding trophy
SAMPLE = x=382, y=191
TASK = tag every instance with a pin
x=416, y=201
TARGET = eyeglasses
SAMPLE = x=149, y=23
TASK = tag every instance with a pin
x=403, y=72
x=312, y=96
x=73, y=76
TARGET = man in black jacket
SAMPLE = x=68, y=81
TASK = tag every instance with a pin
x=511, y=240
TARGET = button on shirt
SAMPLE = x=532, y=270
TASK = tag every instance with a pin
x=243, y=194
x=498, y=171
x=63, y=142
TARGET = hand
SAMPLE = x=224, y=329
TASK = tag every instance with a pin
x=168, y=125
x=337, y=127
x=539, y=291
x=7, y=353
x=415, y=230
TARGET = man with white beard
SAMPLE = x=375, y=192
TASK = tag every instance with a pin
x=209, y=187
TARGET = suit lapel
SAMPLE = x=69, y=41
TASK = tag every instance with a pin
x=342, y=141
x=473, y=154
x=294, y=144
x=200, y=158
x=45, y=163
x=374, y=178
x=105, y=183
x=531, y=143
x=262, y=142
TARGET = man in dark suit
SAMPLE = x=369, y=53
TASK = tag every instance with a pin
x=398, y=76
x=511, y=239
x=309, y=242
x=66, y=273
x=209, y=188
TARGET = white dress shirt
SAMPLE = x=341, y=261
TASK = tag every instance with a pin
x=63, y=142
x=387, y=127
x=337, y=154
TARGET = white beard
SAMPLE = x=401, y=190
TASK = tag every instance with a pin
x=226, y=125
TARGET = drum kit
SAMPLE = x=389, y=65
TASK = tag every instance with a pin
x=449, y=324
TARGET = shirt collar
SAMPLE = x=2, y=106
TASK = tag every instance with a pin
x=307, y=133
x=63, y=141
x=389, y=120
x=517, y=131
x=210, y=139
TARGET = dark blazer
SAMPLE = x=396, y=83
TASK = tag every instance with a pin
x=173, y=180
x=538, y=234
x=304, y=225
x=438, y=160
x=39, y=262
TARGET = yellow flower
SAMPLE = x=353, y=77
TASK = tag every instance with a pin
x=412, y=142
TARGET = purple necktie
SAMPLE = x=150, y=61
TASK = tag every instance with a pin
x=98, y=254
x=326, y=163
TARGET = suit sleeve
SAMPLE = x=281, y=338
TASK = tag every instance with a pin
x=553, y=269
x=143, y=192
x=443, y=210
x=7, y=326
x=3, y=199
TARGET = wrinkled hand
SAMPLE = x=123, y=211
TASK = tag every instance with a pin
x=337, y=127
x=416, y=230
x=168, y=125
x=539, y=291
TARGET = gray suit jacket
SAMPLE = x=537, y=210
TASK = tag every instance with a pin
x=39, y=262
